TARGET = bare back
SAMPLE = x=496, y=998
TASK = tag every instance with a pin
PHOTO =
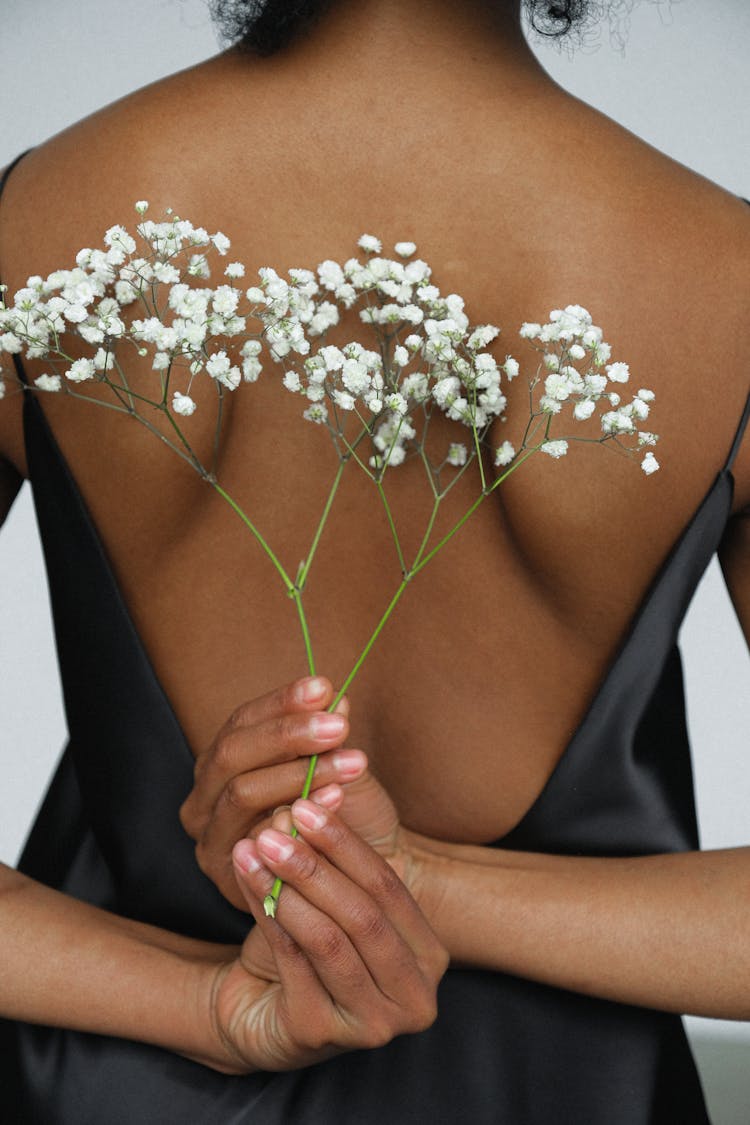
x=486, y=669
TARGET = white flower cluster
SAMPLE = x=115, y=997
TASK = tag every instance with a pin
x=567, y=342
x=428, y=356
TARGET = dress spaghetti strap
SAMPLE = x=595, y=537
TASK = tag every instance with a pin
x=738, y=436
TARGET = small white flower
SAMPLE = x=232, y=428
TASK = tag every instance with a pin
x=104, y=360
x=344, y=400
x=555, y=448
x=48, y=382
x=397, y=403
x=602, y=353
x=649, y=464
x=292, y=381
x=219, y=367
x=81, y=370
x=235, y=269
x=255, y=295
x=251, y=369
x=457, y=454
x=557, y=386
x=511, y=367
x=221, y=242
x=645, y=395
x=618, y=372
x=482, y=335
x=504, y=454
x=199, y=266
x=183, y=404
x=591, y=337
x=118, y=236
x=575, y=351
x=550, y=405
x=142, y=206
x=405, y=249
x=370, y=244
x=400, y=356
x=166, y=273
x=331, y=275
x=615, y=422
x=316, y=413
x=530, y=330
x=584, y=409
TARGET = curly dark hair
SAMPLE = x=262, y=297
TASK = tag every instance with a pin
x=264, y=27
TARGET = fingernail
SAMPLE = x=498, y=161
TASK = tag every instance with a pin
x=308, y=815
x=275, y=844
x=329, y=796
x=310, y=689
x=246, y=857
x=349, y=763
x=327, y=726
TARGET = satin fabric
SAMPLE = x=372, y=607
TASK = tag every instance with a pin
x=503, y=1051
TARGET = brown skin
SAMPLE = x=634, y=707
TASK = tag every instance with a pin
x=545, y=577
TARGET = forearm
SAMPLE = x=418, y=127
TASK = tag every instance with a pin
x=669, y=932
x=68, y=964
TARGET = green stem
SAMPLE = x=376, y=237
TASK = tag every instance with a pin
x=302, y=577
x=480, y=499
x=290, y=587
x=392, y=526
x=374, y=636
x=428, y=532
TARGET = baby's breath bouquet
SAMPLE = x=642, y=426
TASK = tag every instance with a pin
x=375, y=402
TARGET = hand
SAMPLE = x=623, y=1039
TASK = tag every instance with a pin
x=259, y=761
x=353, y=961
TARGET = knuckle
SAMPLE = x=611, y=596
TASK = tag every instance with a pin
x=237, y=793
x=287, y=731
x=240, y=718
x=384, y=883
x=227, y=749
x=327, y=942
x=306, y=865
x=367, y=923
x=377, y=1032
x=205, y=859
x=314, y=1032
x=186, y=816
x=422, y=1016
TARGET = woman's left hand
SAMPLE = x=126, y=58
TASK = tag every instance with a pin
x=258, y=762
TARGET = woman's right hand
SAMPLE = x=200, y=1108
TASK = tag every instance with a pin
x=258, y=761
x=353, y=962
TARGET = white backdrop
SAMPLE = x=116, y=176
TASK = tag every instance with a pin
x=683, y=84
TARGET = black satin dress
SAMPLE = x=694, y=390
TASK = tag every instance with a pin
x=504, y=1051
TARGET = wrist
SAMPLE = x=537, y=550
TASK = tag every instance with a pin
x=427, y=873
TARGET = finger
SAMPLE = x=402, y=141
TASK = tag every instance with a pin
x=308, y=1003
x=354, y=858
x=344, y=919
x=273, y=741
x=310, y=693
x=337, y=962
x=245, y=801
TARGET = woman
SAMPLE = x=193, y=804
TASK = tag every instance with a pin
x=593, y=918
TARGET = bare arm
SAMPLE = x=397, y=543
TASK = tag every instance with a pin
x=349, y=963
x=666, y=931
x=68, y=964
